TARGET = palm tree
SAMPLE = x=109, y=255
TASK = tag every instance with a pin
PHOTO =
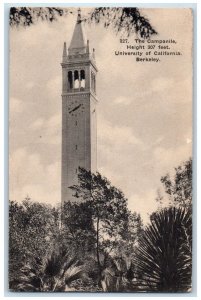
x=164, y=255
x=55, y=273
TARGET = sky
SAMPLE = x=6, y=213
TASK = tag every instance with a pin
x=144, y=114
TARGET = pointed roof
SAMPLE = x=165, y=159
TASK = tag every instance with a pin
x=78, y=40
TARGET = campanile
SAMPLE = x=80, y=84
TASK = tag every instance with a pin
x=79, y=101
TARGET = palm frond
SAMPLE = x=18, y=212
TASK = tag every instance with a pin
x=164, y=256
x=53, y=273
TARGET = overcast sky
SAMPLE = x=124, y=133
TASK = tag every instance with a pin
x=144, y=111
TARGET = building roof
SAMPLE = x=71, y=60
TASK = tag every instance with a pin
x=78, y=40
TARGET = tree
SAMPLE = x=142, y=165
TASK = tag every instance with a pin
x=26, y=16
x=37, y=243
x=33, y=228
x=55, y=272
x=108, y=208
x=77, y=227
x=128, y=238
x=119, y=270
x=127, y=19
x=164, y=254
x=179, y=188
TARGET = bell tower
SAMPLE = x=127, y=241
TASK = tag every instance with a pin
x=79, y=142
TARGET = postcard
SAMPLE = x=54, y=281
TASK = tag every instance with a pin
x=100, y=149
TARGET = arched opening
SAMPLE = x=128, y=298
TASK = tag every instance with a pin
x=70, y=80
x=82, y=78
x=76, y=79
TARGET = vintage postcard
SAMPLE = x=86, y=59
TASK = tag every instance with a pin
x=100, y=149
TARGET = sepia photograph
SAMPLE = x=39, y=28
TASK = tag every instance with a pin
x=100, y=149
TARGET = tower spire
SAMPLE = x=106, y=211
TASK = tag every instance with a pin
x=78, y=42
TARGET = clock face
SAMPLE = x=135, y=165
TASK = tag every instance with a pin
x=75, y=108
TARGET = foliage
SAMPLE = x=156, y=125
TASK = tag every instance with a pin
x=119, y=275
x=33, y=228
x=34, y=233
x=54, y=273
x=108, y=207
x=116, y=228
x=164, y=255
x=77, y=227
x=129, y=236
x=179, y=189
x=127, y=19
x=113, y=252
x=26, y=16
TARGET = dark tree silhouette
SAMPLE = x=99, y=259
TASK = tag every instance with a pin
x=26, y=16
x=125, y=19
x=164, y=255
x=77, y=227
